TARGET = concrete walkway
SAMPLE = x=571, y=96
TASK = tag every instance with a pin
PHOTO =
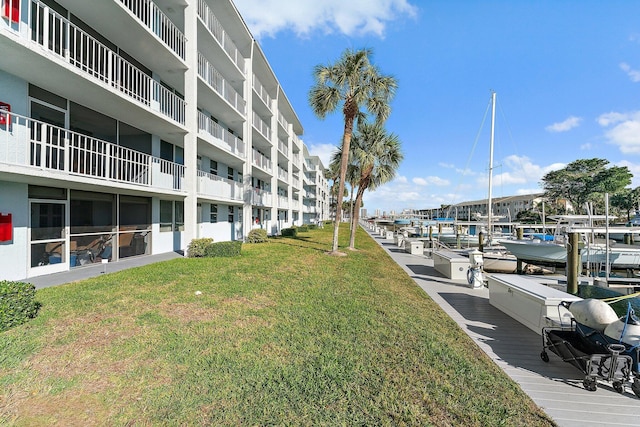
x=92, y=270
x=555, y=386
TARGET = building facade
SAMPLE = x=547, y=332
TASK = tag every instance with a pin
x=506, y=207
x=131, y=127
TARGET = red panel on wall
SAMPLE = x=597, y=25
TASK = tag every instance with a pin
x=11, y=10
x=6, y=228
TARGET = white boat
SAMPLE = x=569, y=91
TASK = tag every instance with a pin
x=554, y=253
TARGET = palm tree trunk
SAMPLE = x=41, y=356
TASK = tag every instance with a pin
x=344, y=161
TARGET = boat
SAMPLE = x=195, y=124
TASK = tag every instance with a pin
x=593, y=251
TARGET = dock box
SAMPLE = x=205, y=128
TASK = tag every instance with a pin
x=529, y=302
x=414, y=247
x=451, y=265
x=389, y=234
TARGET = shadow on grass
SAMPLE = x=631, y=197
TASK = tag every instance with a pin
x=309, y=243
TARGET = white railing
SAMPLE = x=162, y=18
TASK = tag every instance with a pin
x=283, y=147
x=295, y=158
x=283, y=202
x=217, y=30
x=283, y=174
x=158, y=23
x=218, y=83
x=261, y=126
x=261, y=198
x=219, y=187
x=261, y=91
x=295, y=181
x=224, y=138
x=32, y=143
x=283, y=121
x=261, y=160
x=56, y=34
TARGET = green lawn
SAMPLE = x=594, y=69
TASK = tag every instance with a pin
x=282, y=335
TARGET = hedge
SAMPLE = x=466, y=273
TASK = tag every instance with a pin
x=197, y=247
x=17, y=303
x=289, y=232
x=257, y=235
x=224, y=249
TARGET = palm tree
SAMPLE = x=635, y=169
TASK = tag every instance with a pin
x=377, y=156
x=354, y=83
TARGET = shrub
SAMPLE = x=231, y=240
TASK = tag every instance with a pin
x=312, y=226
x=289, y=232
x=197, y=247
x=257, y=235
x=17, y=303
x=224, y=249
x=303, y=228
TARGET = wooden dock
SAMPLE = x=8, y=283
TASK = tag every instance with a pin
x=555, y=386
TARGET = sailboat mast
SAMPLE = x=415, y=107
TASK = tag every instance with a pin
x=493, y=122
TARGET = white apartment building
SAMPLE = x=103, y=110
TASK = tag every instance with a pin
x=131, y=127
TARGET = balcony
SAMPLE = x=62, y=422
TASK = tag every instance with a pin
x=159, y=24
x=283, y=202
x=261, y=92
x=222, y=138
x=217, y=82
x=283, y=147
x=219, y=188
x=40, y=146
x=261, y=126
x=283, y=175
x=61, y=39
x=260, y=197
x=220, y=35
x=262, y=161
x=283, y=122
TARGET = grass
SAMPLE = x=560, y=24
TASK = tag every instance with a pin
x=282, y=335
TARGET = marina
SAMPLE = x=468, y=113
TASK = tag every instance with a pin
x=557, y=387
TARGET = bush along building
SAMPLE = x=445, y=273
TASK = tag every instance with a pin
x=131, y=127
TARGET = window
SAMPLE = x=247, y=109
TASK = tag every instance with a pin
x=213, y=167
x=214, y=213
x=166, y=217
x=239, y=177
x=179, y=216
x=231, y=211
x=171, y=215
x=230, y=173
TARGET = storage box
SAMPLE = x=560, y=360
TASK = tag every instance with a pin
x=451, y=265
x=531, y=303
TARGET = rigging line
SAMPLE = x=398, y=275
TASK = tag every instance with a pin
x=475, y=143
x=513, y=141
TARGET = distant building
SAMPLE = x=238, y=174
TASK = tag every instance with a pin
x=507, y=207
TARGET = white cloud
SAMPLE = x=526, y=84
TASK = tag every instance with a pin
x=519, y=170
x=430, y=180
x=586, y=147
x=634, y=75
x=564, y=126
x=324, y=151
x=353, y=17
x=624, y=130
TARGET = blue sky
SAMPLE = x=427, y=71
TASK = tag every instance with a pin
x=566, y=74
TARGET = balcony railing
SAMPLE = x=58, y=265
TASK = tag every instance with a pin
x=283, y=121
x=62, y=38
x=283, y=202
x=32, y=143
x=261, y=161
x=261, y=197
x=217, y=30
x=295, y=158
x=214, y=79
x=261, y=126
x=283, y=148
x=224, y=138
x=261, y=91
x=295, y=181
x=219, y=187
x=283, y=174
x=158, y=23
